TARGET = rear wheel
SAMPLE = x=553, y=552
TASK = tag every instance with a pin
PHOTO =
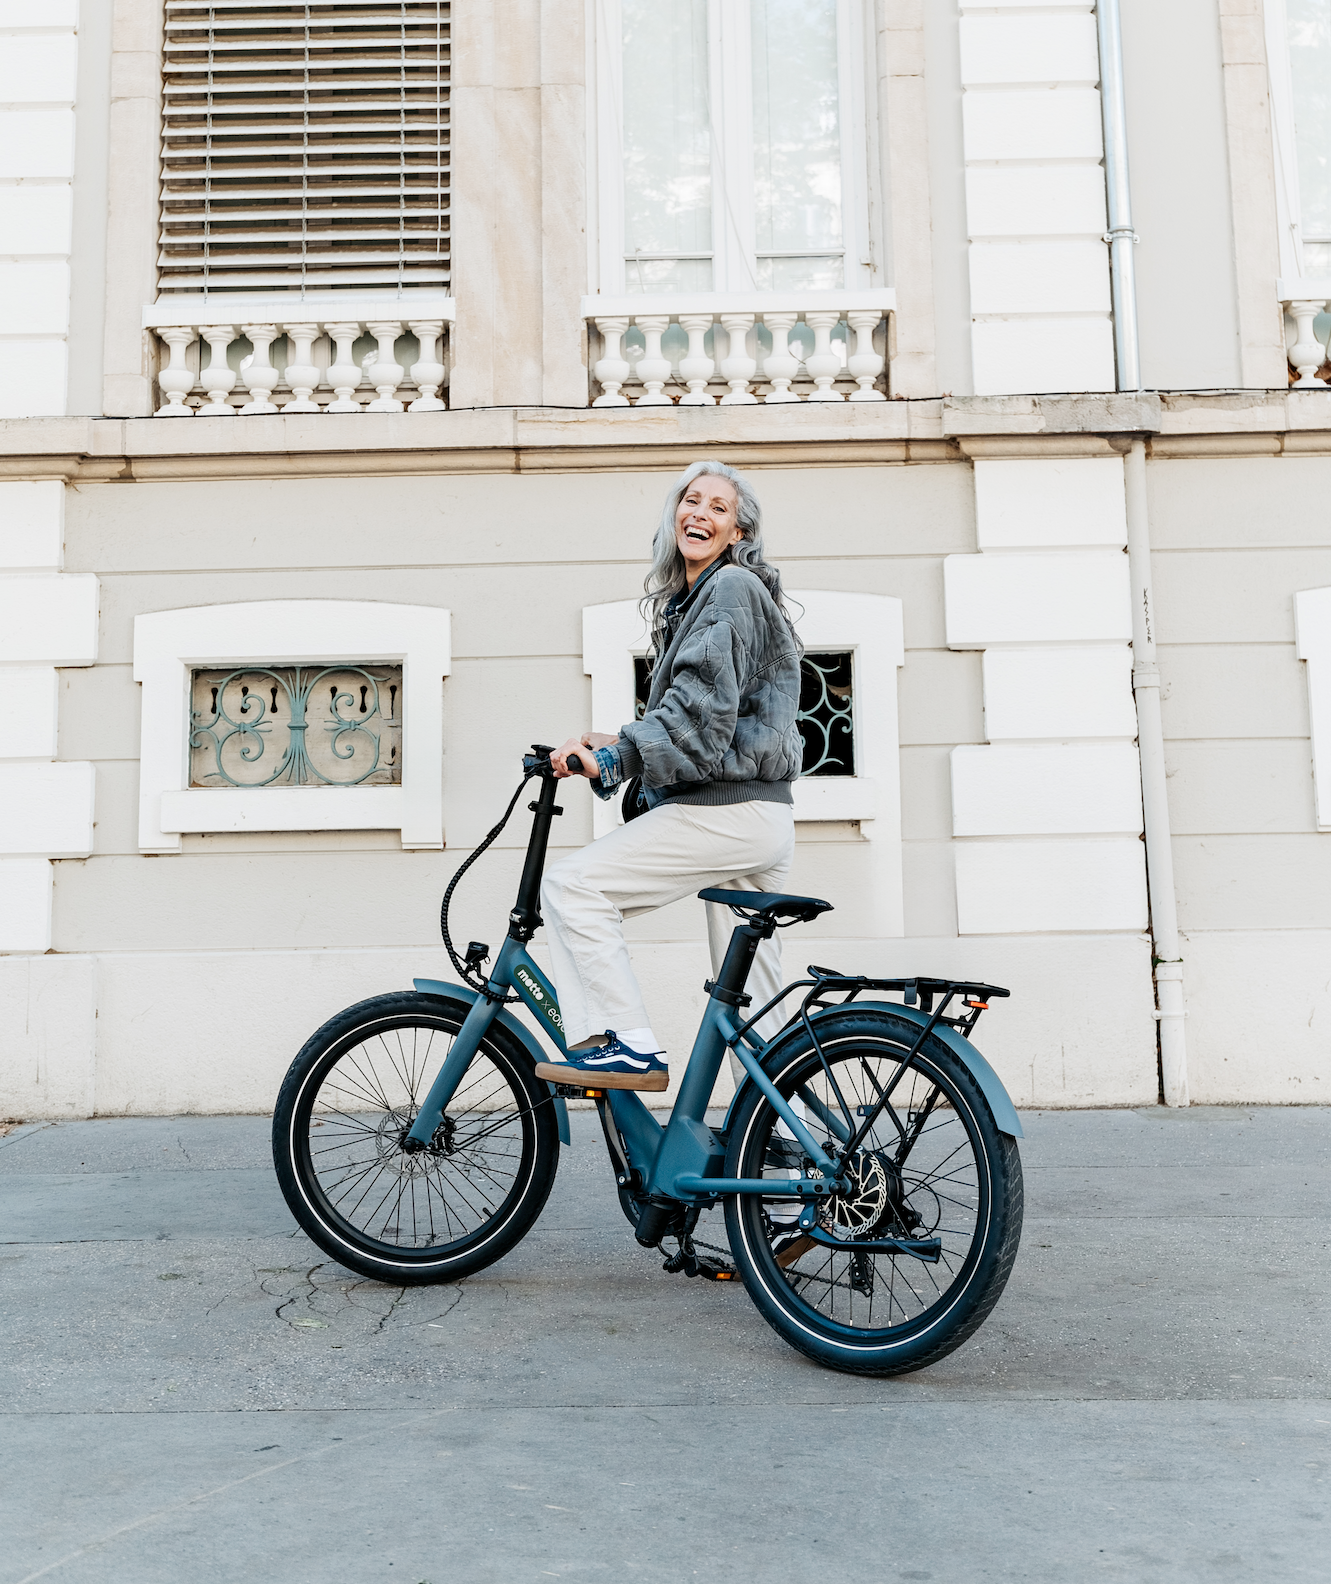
x=345, y=1107
x=933, y=1166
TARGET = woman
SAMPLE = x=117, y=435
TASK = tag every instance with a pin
x=716, y=750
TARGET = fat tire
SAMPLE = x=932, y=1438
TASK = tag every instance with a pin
x=933, y=1335
x=303, y=1192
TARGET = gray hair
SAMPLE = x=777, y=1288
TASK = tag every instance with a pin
x=666, y=577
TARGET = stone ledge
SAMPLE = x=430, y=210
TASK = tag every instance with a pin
x=552, y=439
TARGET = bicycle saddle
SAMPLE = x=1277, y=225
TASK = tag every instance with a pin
x=769, y=904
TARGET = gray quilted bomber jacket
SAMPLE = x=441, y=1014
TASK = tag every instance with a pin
x=720, y=721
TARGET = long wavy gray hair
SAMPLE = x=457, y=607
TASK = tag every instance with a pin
x=666, y=577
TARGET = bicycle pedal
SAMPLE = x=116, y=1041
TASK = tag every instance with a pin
x=577, y=1092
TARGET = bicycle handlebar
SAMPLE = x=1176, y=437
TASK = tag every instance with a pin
x=575, y=764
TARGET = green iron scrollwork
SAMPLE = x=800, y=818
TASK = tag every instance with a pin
x=250, y=728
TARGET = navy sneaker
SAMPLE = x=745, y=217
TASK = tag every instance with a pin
x=612, y=1066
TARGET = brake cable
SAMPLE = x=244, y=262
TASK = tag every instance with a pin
x=464, y=967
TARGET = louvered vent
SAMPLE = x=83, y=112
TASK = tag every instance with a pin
x=305, y=147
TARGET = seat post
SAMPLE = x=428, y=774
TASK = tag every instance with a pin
x=744, y=943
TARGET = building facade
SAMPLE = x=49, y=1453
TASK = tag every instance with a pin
x=347, y=350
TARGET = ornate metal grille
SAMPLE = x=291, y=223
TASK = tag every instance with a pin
x=327, y=726
x=826, y=715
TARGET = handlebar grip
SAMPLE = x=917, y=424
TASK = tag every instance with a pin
x=575, y=764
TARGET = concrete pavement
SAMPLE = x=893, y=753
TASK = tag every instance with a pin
x=190, y=1391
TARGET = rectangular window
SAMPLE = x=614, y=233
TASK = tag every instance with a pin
x=732, y=146
x=304, y=146
x=285, y=726
x=1308, y=25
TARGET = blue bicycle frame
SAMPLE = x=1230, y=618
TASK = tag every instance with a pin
x=684, y=1162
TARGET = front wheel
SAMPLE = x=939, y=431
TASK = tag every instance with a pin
x=933, y=1166
x=344, y=1108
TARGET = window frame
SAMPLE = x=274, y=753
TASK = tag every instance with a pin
x=734, y=252
x=169, y=646
x=870, y=627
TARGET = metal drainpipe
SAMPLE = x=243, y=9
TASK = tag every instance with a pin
x=1168, y=959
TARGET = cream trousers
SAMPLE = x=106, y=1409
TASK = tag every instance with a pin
x=667, y=853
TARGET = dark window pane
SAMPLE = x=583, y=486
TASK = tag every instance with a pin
x=825, y=717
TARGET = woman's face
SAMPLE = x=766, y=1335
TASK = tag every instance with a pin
x=706, y=524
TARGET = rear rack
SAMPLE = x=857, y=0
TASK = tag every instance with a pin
x=917, y=991
x=826, y=982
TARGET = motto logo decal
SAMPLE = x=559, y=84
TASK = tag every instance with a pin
x=546, y=1004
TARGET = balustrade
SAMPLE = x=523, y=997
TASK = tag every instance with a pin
x=736, y=350
x=344, y=353
x=1304, y=302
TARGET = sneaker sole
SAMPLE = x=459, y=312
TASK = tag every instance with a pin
x=561, y=1073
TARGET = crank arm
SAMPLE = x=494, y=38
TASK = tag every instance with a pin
x=927, y=1249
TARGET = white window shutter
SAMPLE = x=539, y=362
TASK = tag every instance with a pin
x=305, y=146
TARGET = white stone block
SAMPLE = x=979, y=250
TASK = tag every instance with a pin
x=1028, y=504
x=35, y=219
x=1042, y=356
x=25, y=915
x=1029, y=49
x=1042, y=200
x=1050, y=887
x=51, y=620
x=46, y=810
x=34, y=297
x=1046, y=789
x=32, y=525
x=1060, y=124
x=31, y=695
x=48, y=1010
x=36, y=143
x=53, y=13
x=1058, y=693
x=1039, y=277
x=1077, y=596
x=33, y=378
x=40, y=68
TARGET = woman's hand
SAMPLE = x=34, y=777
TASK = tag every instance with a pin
x=593, y=740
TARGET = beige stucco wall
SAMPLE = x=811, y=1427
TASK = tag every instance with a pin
x=206, y=970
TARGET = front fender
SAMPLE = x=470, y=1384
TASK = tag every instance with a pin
x=511, y=1026
x=991, y=1085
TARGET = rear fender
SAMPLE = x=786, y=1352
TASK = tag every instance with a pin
x=991, y=1085
x=511, y=1026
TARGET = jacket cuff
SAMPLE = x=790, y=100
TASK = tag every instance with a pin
x=607, y=762
x=630, y=760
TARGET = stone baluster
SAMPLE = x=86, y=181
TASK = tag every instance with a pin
x=1306, y=353
x=612, y=369
x=865, y=365
x=781, y=365
x=385, y=374
x=260, y=375
x=696, y=368
x=822, y=363
x=428, y=371
x=219, y=377
x=175, y=379
x=738, y=368
x=302, y=371
x=343, y=372
x=653, y=367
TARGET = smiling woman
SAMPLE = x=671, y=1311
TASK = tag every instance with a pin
x=716, y=748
